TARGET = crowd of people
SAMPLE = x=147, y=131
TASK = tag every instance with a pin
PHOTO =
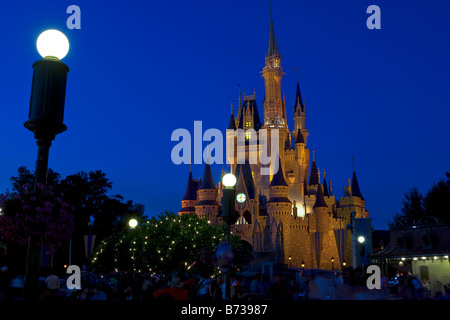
x=301, y=285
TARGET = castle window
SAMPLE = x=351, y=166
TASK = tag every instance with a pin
x=248, y=135
x=248, y=124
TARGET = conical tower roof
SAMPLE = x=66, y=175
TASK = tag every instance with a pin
x=207, y=181
x=320, y=201
x=298, y=99
x=299, y=138
x=273, y=48
x=232, y=124
x=356, y=192
x=325, y=188
x=278, y=177
x=191, y=192
x=314, y=176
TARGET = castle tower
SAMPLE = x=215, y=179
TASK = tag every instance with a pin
x=279, y=207
x=274, y=103
x=190, y=197
x=325, y=249
x=299, y=113
x=296, y=191
x=207, y=197
x=311, y=187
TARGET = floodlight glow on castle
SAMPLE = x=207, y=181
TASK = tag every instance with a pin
x=52, y=43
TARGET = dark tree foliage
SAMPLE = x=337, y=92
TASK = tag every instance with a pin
x=432, y=208
x=412, y=210
x=95, y=212
x=437, y=200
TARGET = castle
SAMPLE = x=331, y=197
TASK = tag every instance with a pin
x=293, y=213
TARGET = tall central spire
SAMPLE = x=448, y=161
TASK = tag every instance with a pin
x=274, y=106
x=273, y=48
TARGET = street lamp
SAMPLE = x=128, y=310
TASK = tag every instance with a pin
x=290, y=261
x=45, y=120
x=229, y=181
x=52, y=43
x=361, y=239
x=332, y=263
x=132, y=223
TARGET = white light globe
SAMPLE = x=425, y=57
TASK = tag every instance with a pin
x=361, y=239
x=132, y=223
x=52, y=43
x=229, y=180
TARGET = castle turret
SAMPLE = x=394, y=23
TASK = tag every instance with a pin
x=190, y=196
x=207, y=196
x=279, y=204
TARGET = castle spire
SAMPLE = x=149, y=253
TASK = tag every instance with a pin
x=232, y=124
x=239, y=116
x=190, y=193
x=320, y=201
x=314, y=177
x=273, y=48
x=207, y=181
x=299, y=138
x=278, y=177
x=325, y=187
x=298, y=98
x=356, y=192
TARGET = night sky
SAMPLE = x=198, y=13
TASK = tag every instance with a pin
x=141, y=69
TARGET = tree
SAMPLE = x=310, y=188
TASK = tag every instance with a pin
x=431, y=209
x=88, y=193
x=437, y=200
x=25, y=178
x=165, y=244
x=412, y=210
x=40, y=216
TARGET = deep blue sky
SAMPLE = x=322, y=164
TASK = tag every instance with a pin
x=141, y=69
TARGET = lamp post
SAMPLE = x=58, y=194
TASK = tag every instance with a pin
x=361, y=241
x=229, y=181
x=290, y=261
x=332, y=263
x=45, y=120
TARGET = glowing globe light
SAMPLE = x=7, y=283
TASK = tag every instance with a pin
x=229, y=180
x=361, y=239
x=52, y=43
x=133, y=223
